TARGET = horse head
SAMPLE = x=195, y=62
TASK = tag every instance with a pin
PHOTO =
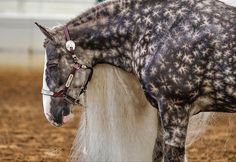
x=66, y=75
x=103, y=34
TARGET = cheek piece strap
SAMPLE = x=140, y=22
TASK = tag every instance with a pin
x=63, y=92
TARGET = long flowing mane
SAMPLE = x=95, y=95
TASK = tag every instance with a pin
x=119, y=124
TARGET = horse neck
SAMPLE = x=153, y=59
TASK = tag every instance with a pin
x=110, y=34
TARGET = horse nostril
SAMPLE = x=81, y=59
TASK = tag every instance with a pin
x=67, y=118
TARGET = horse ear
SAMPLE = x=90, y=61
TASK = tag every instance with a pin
x=46, y=32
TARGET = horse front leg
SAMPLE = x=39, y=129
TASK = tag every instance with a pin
x=174, y=118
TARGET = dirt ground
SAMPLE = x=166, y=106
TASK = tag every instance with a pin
x=25, y=135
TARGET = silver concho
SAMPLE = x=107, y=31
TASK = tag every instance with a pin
x=70, y=45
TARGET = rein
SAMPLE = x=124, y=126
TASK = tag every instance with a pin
x=70, y=46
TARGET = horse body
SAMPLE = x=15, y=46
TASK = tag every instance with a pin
x=182, y=52
x=196, y=58
x=194, y=62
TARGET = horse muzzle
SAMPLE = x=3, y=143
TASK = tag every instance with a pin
x=57, y=111
x=60, y=119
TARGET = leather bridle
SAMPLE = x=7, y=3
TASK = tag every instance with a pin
x=70, y=46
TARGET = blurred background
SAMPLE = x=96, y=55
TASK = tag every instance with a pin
x=25, y=135
x=20, y=37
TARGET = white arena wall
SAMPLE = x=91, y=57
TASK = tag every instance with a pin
x=17, y=29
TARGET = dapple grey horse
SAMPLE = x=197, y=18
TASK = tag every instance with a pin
x=183, y=52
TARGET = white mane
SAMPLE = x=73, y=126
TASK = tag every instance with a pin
x=121, y=124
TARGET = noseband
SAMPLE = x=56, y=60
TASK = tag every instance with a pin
x=70, y=46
